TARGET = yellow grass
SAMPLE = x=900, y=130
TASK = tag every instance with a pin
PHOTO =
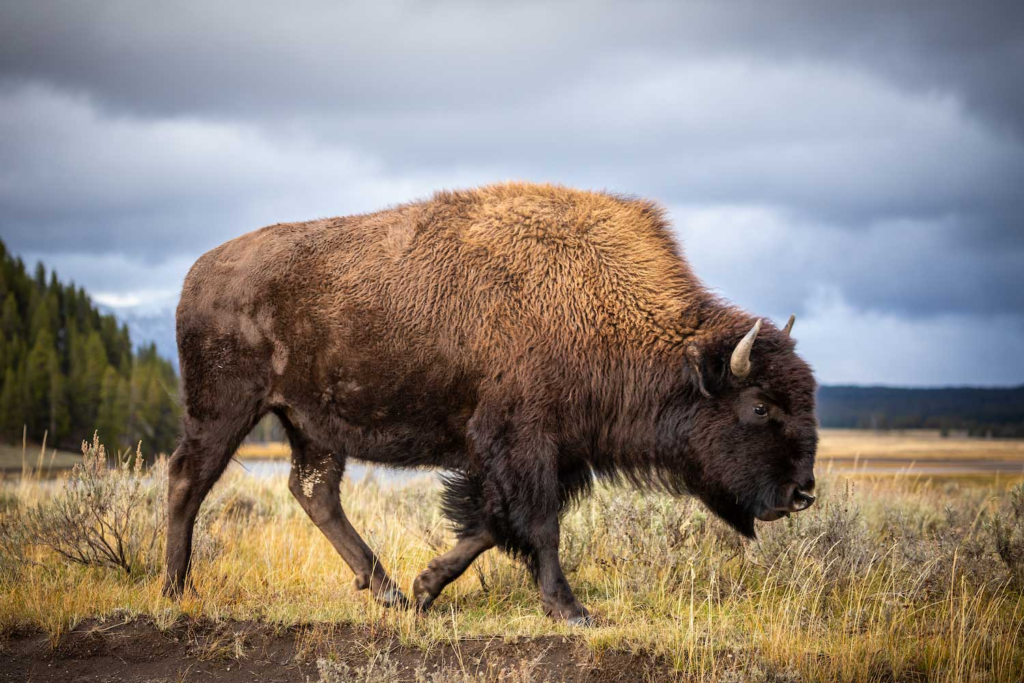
x=265, y=450
x=921, y=445
x=868, y=446
x=879, y=581
x=34, y=458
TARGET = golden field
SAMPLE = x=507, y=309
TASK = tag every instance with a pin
x=886, y=578
x=921, y=444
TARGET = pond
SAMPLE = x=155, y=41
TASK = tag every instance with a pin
x=273, y=467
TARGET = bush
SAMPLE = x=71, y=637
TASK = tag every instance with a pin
x=1008, y=532
x=101, y=516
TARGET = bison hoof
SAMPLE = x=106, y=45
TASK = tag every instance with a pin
x=424, y=596
x=574, y=615
x=584, y=620
x=173, y=590
x=392, y=597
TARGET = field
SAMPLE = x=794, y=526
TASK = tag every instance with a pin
x=24, y=458
x=894, y=575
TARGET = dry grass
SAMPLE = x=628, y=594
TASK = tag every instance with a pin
x=271, y=449
x=919, y=444
x=895, y=448
x=32, y=458
x=886, y=579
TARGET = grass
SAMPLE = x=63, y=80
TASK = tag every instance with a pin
x=919, y=444
x=31, y=458
x=887, y=578
x=877, y=448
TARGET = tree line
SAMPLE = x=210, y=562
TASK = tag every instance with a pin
x=995, y=412
x=68, y=370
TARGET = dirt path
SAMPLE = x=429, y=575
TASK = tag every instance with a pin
x=137, y=651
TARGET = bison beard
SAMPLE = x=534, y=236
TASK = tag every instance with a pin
x=525, y=339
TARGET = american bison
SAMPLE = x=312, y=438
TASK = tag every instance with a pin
x=523, y=338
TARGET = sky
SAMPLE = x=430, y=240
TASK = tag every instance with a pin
x=858, y=164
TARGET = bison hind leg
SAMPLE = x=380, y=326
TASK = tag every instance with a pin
x=461, y=503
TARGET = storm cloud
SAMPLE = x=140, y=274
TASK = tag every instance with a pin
x=860, y=164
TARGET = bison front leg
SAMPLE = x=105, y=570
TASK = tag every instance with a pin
x=522, y=498
x=555, y=593
x=314, y=481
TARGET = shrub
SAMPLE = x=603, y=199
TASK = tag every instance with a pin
x=1008, y=533
x=101, y=516
x=832, y=536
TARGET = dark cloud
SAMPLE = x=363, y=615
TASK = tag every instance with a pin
x=237, y=57
x=867, y=155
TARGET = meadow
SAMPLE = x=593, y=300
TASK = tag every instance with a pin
x=895, y=575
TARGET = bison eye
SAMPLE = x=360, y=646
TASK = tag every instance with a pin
x=760, y=410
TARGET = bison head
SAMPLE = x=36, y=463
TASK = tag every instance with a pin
x=752, y=435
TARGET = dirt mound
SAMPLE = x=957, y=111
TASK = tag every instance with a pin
x=137, y=651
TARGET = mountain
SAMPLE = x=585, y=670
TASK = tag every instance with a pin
x=153, y=323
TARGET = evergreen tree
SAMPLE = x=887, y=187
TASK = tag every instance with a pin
x=41, y=322
x=60, y=417
x=12, y=415
x=10, y=320
x=112, y=420
x=96, y=365
x=69, y=370
x=37, y=380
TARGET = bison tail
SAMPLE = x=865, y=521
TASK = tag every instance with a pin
x=462, y=502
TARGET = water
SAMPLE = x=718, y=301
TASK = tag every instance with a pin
x=262, y=468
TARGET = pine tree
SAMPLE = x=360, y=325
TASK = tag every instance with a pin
x=69, y=370
x=12, y=415
x=37, y=381
x=60, y=417
x=96, y=365
x=10, y=320
x=111, y=420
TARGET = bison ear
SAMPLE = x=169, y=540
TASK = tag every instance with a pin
x=703, y=374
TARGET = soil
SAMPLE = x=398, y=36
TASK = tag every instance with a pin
x=136, y=651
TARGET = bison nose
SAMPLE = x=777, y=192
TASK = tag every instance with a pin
x=801, y=500
x=798, y=496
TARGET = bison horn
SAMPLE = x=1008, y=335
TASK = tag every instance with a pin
x=788, y=329
x=740, y=362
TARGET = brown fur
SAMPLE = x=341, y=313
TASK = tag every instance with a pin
x=523, y=337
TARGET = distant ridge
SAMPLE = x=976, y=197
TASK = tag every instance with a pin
x=979, y=411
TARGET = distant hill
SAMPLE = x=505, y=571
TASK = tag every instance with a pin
x=67, y=369
x=999, y=412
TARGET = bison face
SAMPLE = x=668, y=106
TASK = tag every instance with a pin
x=754, y=434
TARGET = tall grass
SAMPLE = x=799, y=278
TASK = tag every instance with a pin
x=884, y=579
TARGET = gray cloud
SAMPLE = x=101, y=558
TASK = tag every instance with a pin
x=868, y=155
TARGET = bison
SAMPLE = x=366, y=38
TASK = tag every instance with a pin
x=523, y=338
